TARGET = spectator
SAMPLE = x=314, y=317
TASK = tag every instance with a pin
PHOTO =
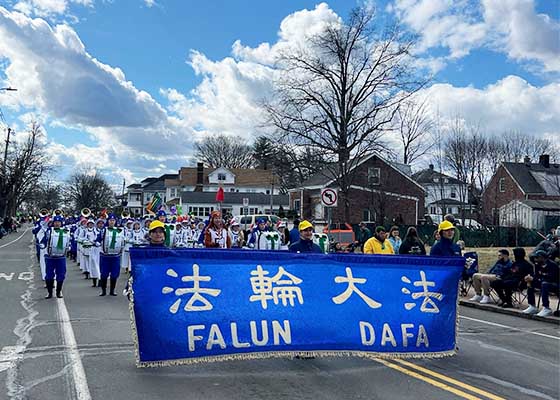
x=547, y=278
x=412, y=245
x=445, y=246
x=451, y=218
x=436, y=236
x=394, y=238
x=294, y=233
x=481, y=282
x=378, y=244
x=363, y=235
x=305, y=243
x=513, y=279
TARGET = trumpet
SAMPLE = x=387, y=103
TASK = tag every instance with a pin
x=86, y=212
x=43, y=213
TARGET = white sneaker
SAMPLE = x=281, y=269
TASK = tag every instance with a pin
x=545, y=312
x=530, y=310
x=486, y=300
x=476, y=297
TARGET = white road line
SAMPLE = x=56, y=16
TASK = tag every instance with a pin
x=510, y=327
x=78, y=373
x=15, y=240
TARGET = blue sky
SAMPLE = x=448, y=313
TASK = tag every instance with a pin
x=126, y=87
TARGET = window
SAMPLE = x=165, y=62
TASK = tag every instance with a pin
x=374, y=176
x=453, y=194
x=433, y=210
x=232, y=190
x=201, y=211
x=173, y=192
x=365, y=215
x=436, y=180
x=445, y=180
x=267, y=191
x=221, y=177
x=297, y=205
x=502, y=185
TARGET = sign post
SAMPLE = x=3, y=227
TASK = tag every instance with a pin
x=329, y=199
x=245, y=205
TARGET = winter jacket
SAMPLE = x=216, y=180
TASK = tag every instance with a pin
x=305, y=246
x=412, y=246
x=500, y=268
x=374, y=246
x=445, y=248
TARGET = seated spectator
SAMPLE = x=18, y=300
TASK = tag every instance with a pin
x=550, y=247
x=395, y=239
x=412, y=245
x=482, y=281
x=378, y=244
x=451, y=218
x=436, y=236
x=445, y=246
x=513, y=279
x=546, y=278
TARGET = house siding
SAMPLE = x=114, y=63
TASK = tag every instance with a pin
x=493, y=199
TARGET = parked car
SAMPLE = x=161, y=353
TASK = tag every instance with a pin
x=247, y=222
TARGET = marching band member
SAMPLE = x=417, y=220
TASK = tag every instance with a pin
x=73, y=243
x=197, y=233
x=55, y=242
x=169, y=228
x=235, y=234
x=181, y=236
x=125, y=258
x=111, y=241
x=257, y=238
x=40, y=231
x=137, y=236
x=95, y=251
x=79, y=234
x=87, y=240
x=284, y=234
x=215, y=235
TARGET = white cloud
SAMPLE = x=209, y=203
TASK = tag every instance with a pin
x=48, y=8
x=509, y=26
x=150, y=3
x=509, y=104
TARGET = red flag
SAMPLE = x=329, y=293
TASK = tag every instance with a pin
x=220, y=195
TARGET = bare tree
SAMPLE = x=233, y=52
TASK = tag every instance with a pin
x=414, y=123
x=339, y=94
x=224, y=151
x=24, y=164
x=46, y=194
x=83, y=189
x=515, y=145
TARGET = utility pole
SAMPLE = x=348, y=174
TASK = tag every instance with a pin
x=4, y=164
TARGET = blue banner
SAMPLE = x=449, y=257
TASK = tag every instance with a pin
x=204, y=305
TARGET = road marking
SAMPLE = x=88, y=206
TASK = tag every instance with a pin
x=78, y=373
x=15, y=240
x=9, y=356
x=510, y=327
x=431, y=381
x=450, y=380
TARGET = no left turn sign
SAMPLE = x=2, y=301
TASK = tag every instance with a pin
x=329, y=197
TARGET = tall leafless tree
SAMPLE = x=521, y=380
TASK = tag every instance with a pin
x=23, y=166
x=414, y=123
x=339, y=94
x=91, y=190
x=224, y=151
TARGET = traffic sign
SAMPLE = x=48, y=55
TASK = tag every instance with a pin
x=329, y=197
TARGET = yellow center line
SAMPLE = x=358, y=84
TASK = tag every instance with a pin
x=433, y=382
x=450, y=380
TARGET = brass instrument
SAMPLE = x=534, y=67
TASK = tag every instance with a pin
x=86, y=212
x=125, y=214
x=43, y=213
x=58, y=211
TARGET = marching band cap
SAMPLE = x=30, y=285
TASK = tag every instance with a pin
x=111, y=216
x=261, y=221
x=58, y=218
x=161, y=213
x=234, y=222
x=303, y=225
x=445, y=225
x=157, y=224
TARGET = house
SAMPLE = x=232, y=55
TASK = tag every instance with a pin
x=138, y=195
x=444, y=194
x=380, y=192
x=523, y=194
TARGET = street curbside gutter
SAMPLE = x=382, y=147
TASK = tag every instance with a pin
x=508, y=311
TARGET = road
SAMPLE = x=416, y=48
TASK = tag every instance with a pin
x=80, y=347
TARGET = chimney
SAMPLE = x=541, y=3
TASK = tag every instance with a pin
x=527, y=161
x=199, y=177
x=431, y=167
x=544, y=160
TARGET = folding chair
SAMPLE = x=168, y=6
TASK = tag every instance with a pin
x=471, y=268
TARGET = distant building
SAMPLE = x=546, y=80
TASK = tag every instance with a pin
x=138, y=195
x=380, y=192
x=524, y=194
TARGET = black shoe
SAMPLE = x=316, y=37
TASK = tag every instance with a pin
x=103, y=286
x=59, y=289
x=113, y=285
x=49, y=284
x=87, y=275
x=506, y=305
x=94, y=284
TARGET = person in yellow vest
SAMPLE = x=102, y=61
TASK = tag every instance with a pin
x=378, y=243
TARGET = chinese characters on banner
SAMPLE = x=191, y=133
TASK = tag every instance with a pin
x=206, y=304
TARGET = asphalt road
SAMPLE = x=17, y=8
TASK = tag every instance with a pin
x=81, y=348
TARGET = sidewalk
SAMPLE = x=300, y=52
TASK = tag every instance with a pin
x=516, y=310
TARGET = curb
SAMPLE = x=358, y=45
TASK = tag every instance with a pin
x=507, y=311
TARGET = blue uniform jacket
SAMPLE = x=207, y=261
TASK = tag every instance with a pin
x=445, y=248
x=305, y=246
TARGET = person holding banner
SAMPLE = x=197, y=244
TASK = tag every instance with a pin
x=111, y=241
x=215, y=235
x=445, y=246
x=379, y=244
x=55, y=243
x=305, y=243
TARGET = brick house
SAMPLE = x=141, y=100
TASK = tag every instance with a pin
x=380, y=192
x=523, y=194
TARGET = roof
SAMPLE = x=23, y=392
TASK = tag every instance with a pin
x=535, y=178
x=157, y=184
x=243, y=177
x=134, y=186
x=449, y=202
x=234, y=198
x=549, y=205
x=427, y=176
x=326, y=176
